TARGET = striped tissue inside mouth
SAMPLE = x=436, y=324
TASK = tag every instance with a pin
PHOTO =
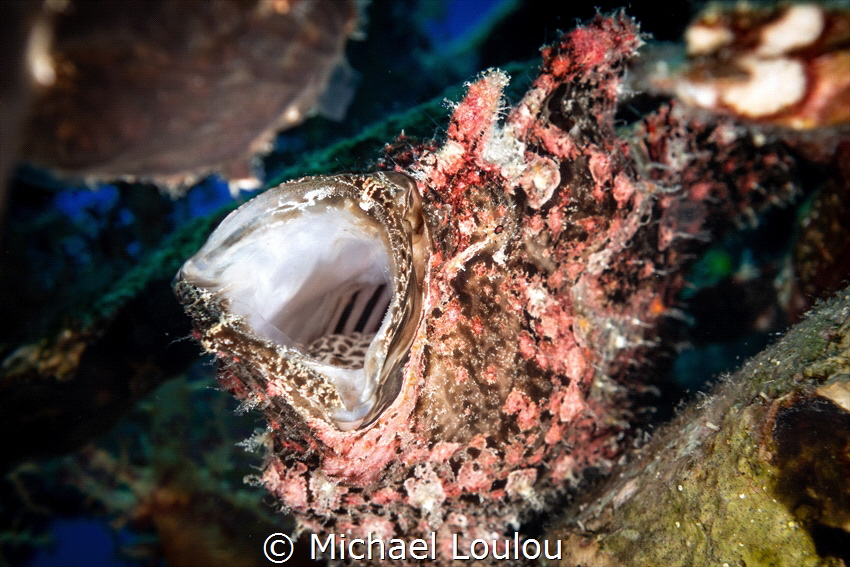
x=323, y=270
x=335, y=286
x=364, y=312
x=320, y=282
x=356, y=326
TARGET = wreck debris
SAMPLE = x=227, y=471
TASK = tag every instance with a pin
x=171, y=91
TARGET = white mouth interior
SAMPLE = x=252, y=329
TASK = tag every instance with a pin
x=322, y=274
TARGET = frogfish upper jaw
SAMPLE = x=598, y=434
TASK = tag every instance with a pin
x=323, y=269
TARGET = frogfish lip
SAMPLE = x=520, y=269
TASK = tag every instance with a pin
x=328, y=271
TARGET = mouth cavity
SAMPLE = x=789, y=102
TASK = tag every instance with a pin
x=318, y=280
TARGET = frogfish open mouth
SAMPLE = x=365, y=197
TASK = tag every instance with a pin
x=326, y=274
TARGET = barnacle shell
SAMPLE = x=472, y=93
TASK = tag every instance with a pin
x=320, y=280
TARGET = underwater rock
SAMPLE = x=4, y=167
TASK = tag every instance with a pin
x=170, y=91
x=754, y=473
x=550, y=259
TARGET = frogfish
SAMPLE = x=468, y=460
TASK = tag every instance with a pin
x=452, y=346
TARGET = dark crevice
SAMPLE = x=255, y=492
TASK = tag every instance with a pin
x=360, y=327
x=346, y=313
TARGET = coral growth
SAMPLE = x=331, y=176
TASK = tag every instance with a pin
x=786, y=64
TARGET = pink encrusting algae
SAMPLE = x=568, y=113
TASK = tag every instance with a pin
x=554, y=256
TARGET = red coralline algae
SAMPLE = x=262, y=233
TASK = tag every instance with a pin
x=555, y=252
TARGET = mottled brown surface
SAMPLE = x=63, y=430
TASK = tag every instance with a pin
x=822, y=250
x=173, y=90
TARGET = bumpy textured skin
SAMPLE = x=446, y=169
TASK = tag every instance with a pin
x=553, y=260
